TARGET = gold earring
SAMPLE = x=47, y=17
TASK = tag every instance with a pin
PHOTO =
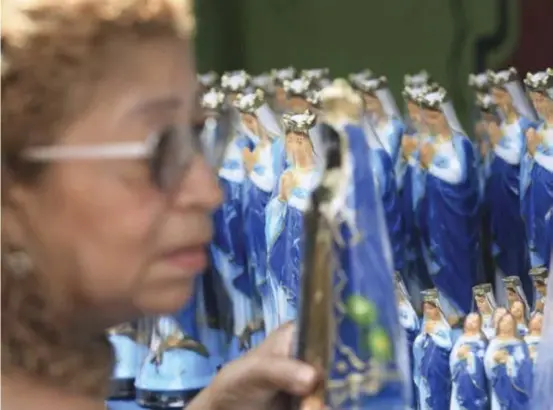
x=19, y=262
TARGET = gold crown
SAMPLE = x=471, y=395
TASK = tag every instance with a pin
x=432, y=97
x=298, y=87
x=282, y=75
x=482, y=289
x=249, y=103
x=539, y=274
x=235, y=81
x=479, y=82
x=299, y=123
x=371, y=85
x=340, y=98
x=417, y=80
x=485, y=103
x=540, y=81
x=212, y=100
x=500, y=78
x=511, y=282
x=430, y=295
x=209, y=79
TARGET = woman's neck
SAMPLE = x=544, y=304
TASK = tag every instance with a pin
x=510, y=115
x=38, y=345
x=304, y=162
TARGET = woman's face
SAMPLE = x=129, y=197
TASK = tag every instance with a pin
x=290, y=143
x=302, y=146
x=512, y=296
x=100, y=230
x=251, y=123
x=435, y=121
x=536, y=323
x=498, y=314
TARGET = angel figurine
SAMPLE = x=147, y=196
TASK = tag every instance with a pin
x=431, y=355
x=485, y=306
x=533, y=338
x=280, y=76
x=508, y=368
x=284, y=219
x=539, y=279
x=349, y=322
x=128, y=353
x=537, y=178
x=504, y=189
x=260, y=121
x=177, y=365
x=468, y=376
x=447, y=205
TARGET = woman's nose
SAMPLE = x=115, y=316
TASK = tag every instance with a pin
x=199, y=187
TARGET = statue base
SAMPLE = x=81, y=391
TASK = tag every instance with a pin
x=167, y=399
x=121, y=389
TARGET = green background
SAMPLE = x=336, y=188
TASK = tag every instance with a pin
x=391, y=37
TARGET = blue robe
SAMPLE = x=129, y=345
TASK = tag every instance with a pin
x=284, y=238
x=258, y=190
x=229, y=242
x=390, y=136
x=448, y=216
x=432, y=375
x=511, y=382
x=375, y=344
x=410, y=322
x=503, y=197
x=469, y=383
x=537, y=199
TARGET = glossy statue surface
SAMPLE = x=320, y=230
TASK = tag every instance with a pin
x=508, y=368
x=178, y=363
x=369, y=359
x=432, y=349
x=485, y=305
x=284, y=220
x=468, y=376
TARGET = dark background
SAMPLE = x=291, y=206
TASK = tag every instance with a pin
x=449, y=38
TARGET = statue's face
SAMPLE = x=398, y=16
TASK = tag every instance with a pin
x=302, y=146
x=512, y=296
x=473, y=323
x=482, y=305
x=414, y=111
x=517, y=310
x=431, y=311
x=540, y=102
x=251, y=123
x=435, y=121
x=298, y=105
x=502, y=98
x=507, y=326
x=541, y=288
x=498, y=314
x=290, y=143
x=372, y=103
x=536, y=323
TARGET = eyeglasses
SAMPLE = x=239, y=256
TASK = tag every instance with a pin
x=170, y=153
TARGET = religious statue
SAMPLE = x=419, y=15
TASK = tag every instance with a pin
x=447, y=205
x=504, y=188
x=261, y=123
x=533, y=338
x=539, y=279
x=508, y=368
x=485, y=306
x=349, y=323
x=468, y=376
x=284, y=219
x=280, y=76
x=518, y=310
x=432, y=349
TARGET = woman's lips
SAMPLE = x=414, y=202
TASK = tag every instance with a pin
x=188, y=259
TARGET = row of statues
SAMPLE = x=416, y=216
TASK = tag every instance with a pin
x=413, y=255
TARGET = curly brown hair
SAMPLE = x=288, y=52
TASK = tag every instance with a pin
x=49, y=47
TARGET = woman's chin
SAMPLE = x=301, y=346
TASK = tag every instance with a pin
x=166, y=301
